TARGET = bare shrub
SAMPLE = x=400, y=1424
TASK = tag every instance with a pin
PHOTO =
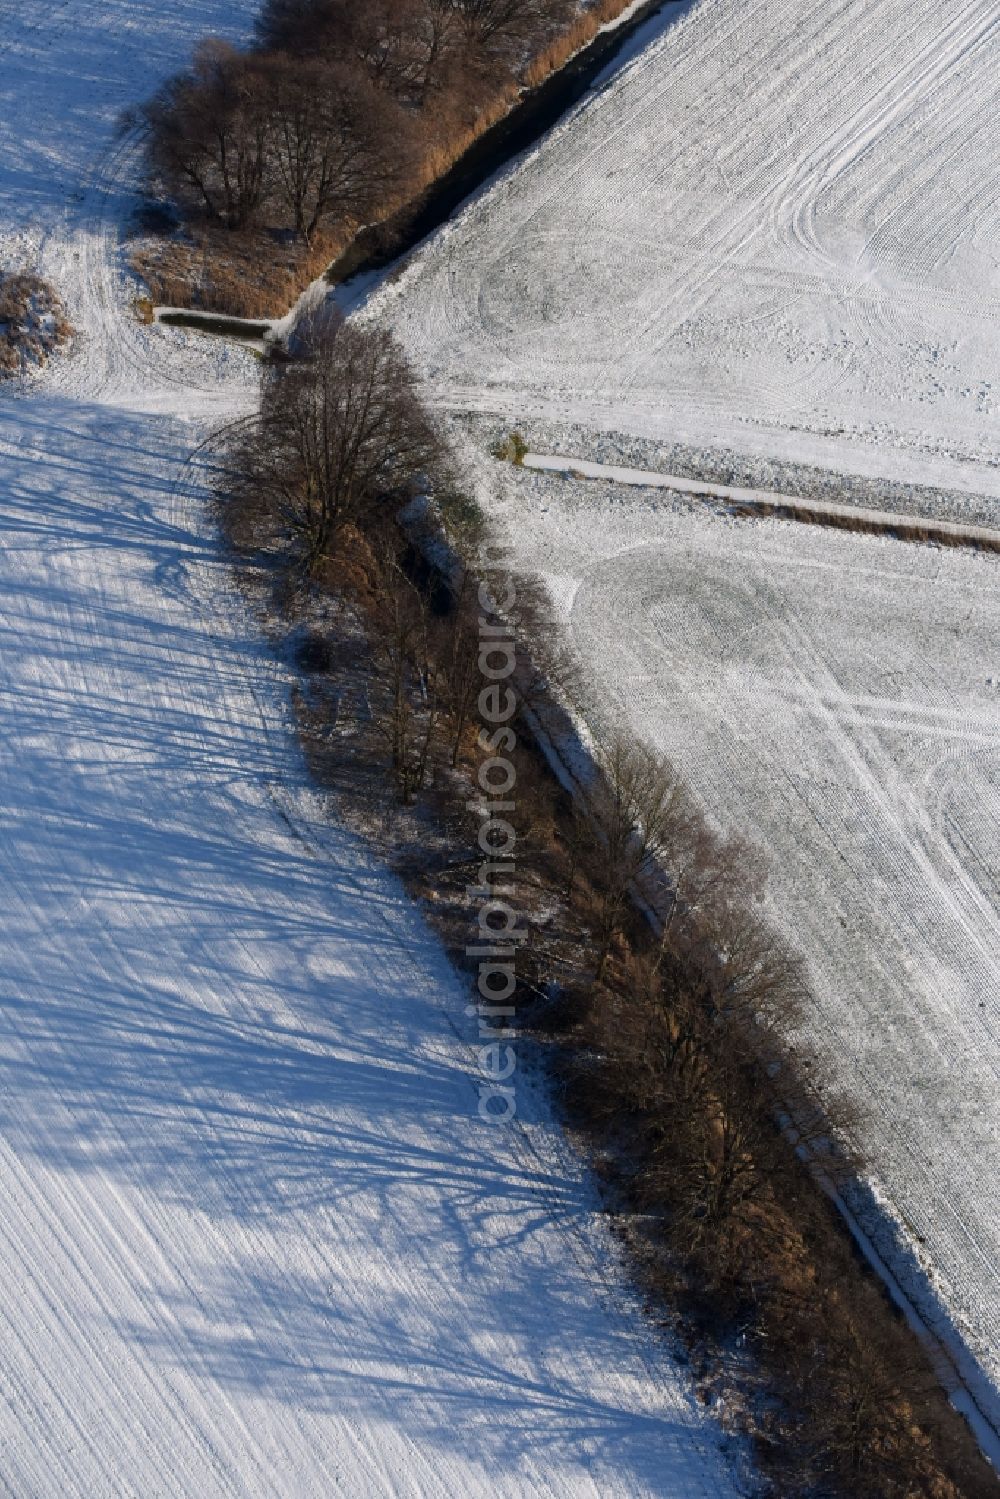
x=513, y=449
x=33, y=322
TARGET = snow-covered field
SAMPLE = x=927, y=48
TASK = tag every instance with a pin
x=835, y=698
x=253, y=1238
x=769, y=248
x=776, y=230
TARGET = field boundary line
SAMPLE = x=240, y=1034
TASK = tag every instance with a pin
x=748, y=503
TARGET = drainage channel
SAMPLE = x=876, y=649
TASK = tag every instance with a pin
x=379, y=245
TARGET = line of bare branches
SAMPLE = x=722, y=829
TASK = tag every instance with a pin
x=668, y=1009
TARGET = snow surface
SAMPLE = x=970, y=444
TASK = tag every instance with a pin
x=766, y=254
x=253, y=1238
x=835, y=698
x=776, y=229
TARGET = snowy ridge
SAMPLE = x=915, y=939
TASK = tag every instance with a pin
x=732, y=494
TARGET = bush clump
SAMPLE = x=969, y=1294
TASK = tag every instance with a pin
x=513, y=449
x=33, y=322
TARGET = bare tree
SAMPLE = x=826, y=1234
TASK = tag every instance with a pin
x=508, y=29
x=638, y=813
x=336, y=144
x=749, y=979
x=402, y=646
x=405, y=47
x=207, y=134
x=457, y=651
x=341, y=435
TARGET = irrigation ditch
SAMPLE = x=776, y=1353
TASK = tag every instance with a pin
x=383, y=246
x=379, y=246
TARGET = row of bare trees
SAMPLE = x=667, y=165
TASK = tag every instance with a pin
x=416, y=49
x=673, y=1004
x=329, y=121
x=245, y=138
x=691, y=1018
x=341, y=441
x=685, y=1065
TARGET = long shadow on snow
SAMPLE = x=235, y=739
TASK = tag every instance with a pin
x=198, y=1008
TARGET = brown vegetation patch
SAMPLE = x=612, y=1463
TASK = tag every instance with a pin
x=250, y=275
x=572, y=40
x=33, y=322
